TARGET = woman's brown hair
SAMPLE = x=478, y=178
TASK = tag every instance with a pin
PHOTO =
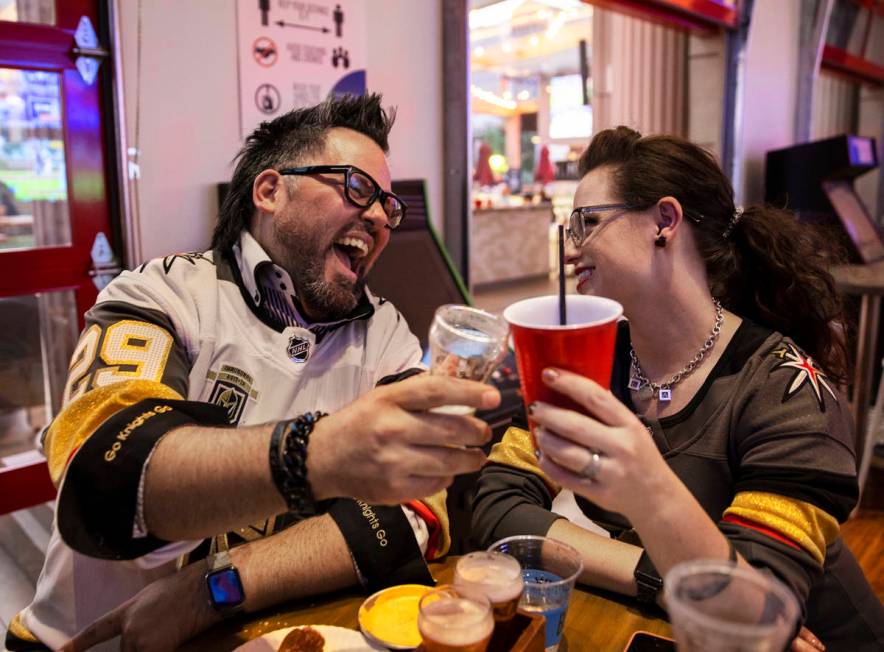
x=761, y=264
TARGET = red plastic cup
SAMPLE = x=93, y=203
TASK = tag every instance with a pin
x=585, y=345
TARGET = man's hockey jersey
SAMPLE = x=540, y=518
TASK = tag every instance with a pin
x=211, y=338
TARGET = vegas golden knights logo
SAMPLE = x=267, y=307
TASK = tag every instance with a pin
x=298, y=349
x=232, y=388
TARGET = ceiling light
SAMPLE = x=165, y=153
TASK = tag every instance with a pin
x=523, y=95
x=491, y=98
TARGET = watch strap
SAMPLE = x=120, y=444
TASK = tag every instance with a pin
x=647, y=580
x=219, y=561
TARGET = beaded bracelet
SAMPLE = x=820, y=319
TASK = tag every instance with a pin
x=288, y=462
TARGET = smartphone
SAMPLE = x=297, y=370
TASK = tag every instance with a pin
x=647, y=642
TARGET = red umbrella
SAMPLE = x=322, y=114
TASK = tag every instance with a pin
x=484, y=174
x=545, y=172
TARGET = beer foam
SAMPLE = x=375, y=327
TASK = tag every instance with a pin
x=455, y=621
x=498, y=578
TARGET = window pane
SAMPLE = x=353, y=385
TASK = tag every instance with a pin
x=28, y=11
x=37, y=337
x=33, y=182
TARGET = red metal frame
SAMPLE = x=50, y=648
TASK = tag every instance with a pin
x=688, y=14
x=874, y=6
x=25, y=486
x=852, y=65
x=26, y=271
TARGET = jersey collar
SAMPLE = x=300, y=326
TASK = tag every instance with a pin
x=271, y=291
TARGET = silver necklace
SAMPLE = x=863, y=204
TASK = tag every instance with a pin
x=639, y=382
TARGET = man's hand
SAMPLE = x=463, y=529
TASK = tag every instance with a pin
x=162, y=616
x=385, y=448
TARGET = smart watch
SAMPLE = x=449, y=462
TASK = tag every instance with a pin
x=226, y=593
x=647, y=580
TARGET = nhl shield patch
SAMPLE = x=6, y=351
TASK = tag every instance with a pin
x=298, y=348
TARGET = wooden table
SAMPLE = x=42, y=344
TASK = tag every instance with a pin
x=868, y=282
x=596, y=620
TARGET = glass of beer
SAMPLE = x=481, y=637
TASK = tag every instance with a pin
x=449, y=621
x=494, y=575
x=466, y=343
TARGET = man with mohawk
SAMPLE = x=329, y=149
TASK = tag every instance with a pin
x=251, y=395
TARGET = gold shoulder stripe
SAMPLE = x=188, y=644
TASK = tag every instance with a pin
x=516, y=449
x=807, y=525
x=437, y=504
x=17, y=628
x=82, y=416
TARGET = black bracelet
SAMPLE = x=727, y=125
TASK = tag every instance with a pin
x=288, y=462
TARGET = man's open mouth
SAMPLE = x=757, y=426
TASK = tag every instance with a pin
x=350, y=251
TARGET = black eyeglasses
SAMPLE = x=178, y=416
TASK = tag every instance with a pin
x=582, y=219
x=359, y=189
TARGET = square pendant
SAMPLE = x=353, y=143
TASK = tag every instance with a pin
x=664, y=395
x=635, y=384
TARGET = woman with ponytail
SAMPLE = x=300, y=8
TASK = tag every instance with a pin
x=724, y=434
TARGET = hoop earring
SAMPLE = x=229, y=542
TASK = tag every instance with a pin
x=660, y=241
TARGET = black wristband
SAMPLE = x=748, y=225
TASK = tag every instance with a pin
x=647, y=580
x=288, y=462
x=382, y=543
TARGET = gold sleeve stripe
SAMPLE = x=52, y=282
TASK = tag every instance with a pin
x=516, y=449
x=805, y=524
x=17, y=628
x=438, y=506
x=82, y=416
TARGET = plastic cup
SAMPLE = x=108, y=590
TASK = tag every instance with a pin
x=465, y=343
x=585, y=345
x=549, y=568
x=494, y=576
x=717, y=605
x=450, y=621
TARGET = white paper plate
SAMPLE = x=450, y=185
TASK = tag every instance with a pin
x=337, y=639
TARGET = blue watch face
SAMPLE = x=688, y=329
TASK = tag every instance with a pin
x=226, y=588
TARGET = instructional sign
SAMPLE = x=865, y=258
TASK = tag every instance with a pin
x=293, y=53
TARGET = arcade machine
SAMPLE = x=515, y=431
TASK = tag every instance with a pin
x=815, y=180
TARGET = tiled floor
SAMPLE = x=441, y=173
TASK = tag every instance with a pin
x=24, y=536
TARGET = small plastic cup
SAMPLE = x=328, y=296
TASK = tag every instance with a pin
x=550, y=569
x=717, y=605
x=493, y=575
x=465, y=343
x=450, y=621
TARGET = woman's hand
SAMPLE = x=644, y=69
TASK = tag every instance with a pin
x=606, y=455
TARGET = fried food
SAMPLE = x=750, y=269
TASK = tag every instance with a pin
x=302, y=639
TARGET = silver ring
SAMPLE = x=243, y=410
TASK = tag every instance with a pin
x=591, y=470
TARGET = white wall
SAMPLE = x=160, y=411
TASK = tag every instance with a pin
x=189, y=106
x=771, y=89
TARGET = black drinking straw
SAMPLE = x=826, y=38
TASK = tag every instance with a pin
x=563, y=314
